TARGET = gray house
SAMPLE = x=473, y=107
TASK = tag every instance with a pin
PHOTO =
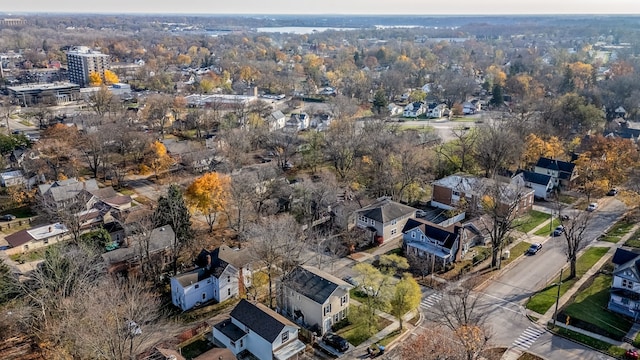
x=384, y=217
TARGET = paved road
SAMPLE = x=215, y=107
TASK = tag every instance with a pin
x=503, y=298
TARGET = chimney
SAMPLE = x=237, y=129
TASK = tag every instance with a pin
x=208, y=267
x=50, y=229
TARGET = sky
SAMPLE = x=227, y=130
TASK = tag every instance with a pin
x=364, y=7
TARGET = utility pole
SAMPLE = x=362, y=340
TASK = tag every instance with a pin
x=555, y=312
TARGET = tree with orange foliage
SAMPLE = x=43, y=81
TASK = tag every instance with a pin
x=208, y=196
x=95, y=79
x=536, y=147
x=110, y=77
x=158, y=159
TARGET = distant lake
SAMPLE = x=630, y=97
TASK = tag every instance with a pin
x=299, y=29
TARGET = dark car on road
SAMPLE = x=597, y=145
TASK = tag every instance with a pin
x=337, y=342
x=534, y=248
x=612, y=192
x=7, y=217
x=558, y=231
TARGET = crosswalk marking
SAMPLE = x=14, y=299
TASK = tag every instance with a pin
x=528, y=337
x=430, y=300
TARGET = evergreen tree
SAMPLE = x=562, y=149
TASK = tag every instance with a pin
x=380, y=101
x=8, y=283
x=172, y=210
x=498, y=97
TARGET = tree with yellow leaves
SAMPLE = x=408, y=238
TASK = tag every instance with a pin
x=536, y=147
x=158, y=159
x=207, y=195
x=95, y=79
x=110, y=77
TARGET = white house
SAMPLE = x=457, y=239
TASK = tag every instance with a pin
x=541, y=184
x=314, y=298
x=12, y=178
x=562, y=173
x=394, y=109
x=224, y=273
x=276, y=120
x=413, y=110
x=298, y=122
x=436, y=111
x=259, y=330
x=625, y=289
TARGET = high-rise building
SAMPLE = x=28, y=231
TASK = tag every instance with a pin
x=82, y=61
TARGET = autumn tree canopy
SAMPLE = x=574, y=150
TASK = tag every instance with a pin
x=208, y=195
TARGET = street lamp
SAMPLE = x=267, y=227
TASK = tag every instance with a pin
x=555, y=312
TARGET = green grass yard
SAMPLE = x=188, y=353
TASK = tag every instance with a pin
x=529, y=221
x=546, y=230
x=612, y=350
x=591, y=306
x=542, y=301
x=634, y=240
x=516, y=251
x=620, y=229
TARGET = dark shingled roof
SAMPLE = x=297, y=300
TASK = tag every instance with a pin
x=386, y=210
x=532, y=177
x=554, y=164
x=230, y=330
x=263, y=321
x=19, y=238
x=622, y=256
x=443, y=235
x=311, y=285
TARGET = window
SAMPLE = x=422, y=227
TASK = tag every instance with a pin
x=285, y=336
x=456, y=193
x=372, y=222
x=413, y=234
x=233, y=343
x=241, y=343
x=394, y=231
x=336, y=317
x=327, y=309
x=26, y=247
x=627, y=284
x=197, y=286
x=208, y=281
x=204, y=296
x=228, y=278
x=344, y=299
x=229, y=291
x=46, y=241
x=394, y=221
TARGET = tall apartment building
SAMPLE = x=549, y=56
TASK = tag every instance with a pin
x=82, y=61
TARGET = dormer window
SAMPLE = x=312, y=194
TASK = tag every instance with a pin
x=628, y=284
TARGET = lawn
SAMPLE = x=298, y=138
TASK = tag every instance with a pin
x=634, y=240
x=612, y=350
x=591, y=306
x=421, y=128
x=356, y=336
x=516, y=251
x=546, y=230
x=530, y=221
x=544, y=299
x=620, y=229
x=196, y=348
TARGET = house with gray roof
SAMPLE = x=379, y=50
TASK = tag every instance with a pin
x=62, y=192
x=255, y=329
x=437, y=244
x=624, y=296
x=221, y=274
x=541, y=184
x=313, y=298
x=385, y=218
x=276, y=120
x=156, y=245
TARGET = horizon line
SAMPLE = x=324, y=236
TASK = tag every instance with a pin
x=15, y=13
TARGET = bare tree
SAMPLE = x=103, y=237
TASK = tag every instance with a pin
x=460, y=151
x=496, y=148
x=276, y=244
x=72, y=212
x=574, y=232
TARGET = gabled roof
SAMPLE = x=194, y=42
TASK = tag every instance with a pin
x=239, y=258
x=533, y=177
x=66, y=189
x=313, y=283
x=622, y=256
x=629, y=270
x=446, y=236
x=260, y=319
x=553, y=164
x=385, y=210
x=277, y=115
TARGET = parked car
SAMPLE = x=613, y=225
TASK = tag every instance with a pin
x=7, y=217
x=534, y=248
x=564, y=217
x=612, y=192
x=335, y=341
x=592, y=207
x=558, y=231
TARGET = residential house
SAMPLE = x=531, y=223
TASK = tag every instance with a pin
x=63, y=192
x=155, y=247
x=436, y=111
x=471, y=107
x=298, y=122
x=462, y=190
x=321, y=122
x=34, y=238
x=541, y=184
x=276, y=120
x=12, y=178
x=385, y=218
x=313, y=298
x=413, y=110
x=394, y=109
x=260, y=331
x=440, y=245
x=625, y=289
x=561, y=172
x=223, y=273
